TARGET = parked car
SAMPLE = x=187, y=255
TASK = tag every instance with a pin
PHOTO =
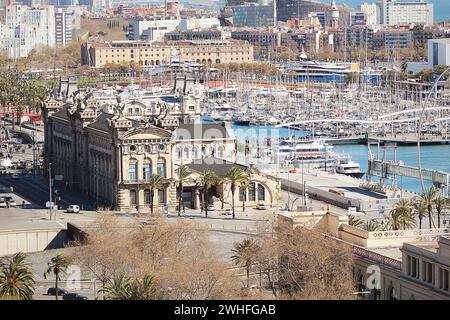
x=61, y=292
x=211, y=207
x=58, y=192
x=3, y=204
x=74, y=296
x=227, y=212
x=15, y=176
x=261, y=206
x=73, y=208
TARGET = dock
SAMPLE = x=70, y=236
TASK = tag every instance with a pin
x=400, y=140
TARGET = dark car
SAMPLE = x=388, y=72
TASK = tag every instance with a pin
x=61, y=291
x=74, y=296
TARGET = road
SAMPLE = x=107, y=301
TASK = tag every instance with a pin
x=35, y=189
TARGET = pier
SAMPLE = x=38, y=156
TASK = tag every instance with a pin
x=399, y=139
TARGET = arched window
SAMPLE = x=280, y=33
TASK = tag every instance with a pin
x=186, y=153
x=132, y=197
x=147, y=148
x=220, y=152
x=261, y=192
x=218, y=61
x=392, y=293
x=195, y=153
x=147, y=169
x=361, y=285
x=147, y=195
x=161, y=167
x=212, y=151
x=177, y=153
x=133, y=171
x=252, y=192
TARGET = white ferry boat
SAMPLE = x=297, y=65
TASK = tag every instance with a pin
x=309, y=151
x=345, y=165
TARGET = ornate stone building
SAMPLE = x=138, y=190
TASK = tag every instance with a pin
x=108, y=150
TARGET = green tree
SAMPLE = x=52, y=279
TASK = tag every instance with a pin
x=420, y=209
x=245, y=185
x=244, y=254
x=205, y=182
x=428, y=197
x=235, y=176
x=121, y=287
x=401, y=216
x=155, y=182
x=16, y=278
x=355, y=222
x=57, y=265
x=441, y=204
x=183, y=174
x=372, y=226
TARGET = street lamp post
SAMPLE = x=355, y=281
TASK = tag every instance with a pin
x=50, y=187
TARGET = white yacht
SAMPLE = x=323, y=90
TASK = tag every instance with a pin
x=345, y=165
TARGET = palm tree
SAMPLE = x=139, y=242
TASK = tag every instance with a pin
x=205, y=182
x=401, y=216
x=57, y=265
x=372, y=226
x=355, y=222
x=155, y=182
x=16, y=278
x=420, y=210
x=441, y=204
x=143, y=289
x=121, y=287
x=428, y=197
x=245, y=253
x=244, y=187
x=116, y=288
x=235, y=176
x=184, y=174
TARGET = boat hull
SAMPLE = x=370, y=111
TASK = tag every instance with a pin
x=357, y=175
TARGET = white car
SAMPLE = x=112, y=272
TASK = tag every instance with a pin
x=227, y=212
x=261, y=206
x=211, y=207
x=3, y=204
x=73, y=208
x=15, y=176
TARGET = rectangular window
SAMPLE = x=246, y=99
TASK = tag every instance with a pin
x=132, y=172
x=252, y=192
x=161, y=169
x=147, y=171
x=443, y=279
x=161, y=196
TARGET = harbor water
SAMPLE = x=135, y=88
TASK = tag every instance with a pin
x=435, y=157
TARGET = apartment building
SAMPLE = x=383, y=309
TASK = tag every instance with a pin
x=397, y=39
x=400, y=12
x=154, y=29
x=63, y=27
x=157, y=53
x=25, y=28
x=253, y=15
